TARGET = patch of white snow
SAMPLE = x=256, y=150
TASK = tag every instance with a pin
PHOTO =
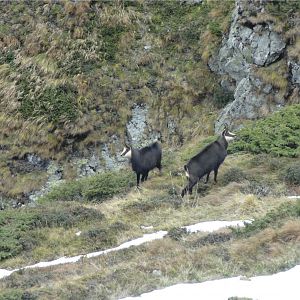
x=283, y=285
x=211, y=226
x=146, y=227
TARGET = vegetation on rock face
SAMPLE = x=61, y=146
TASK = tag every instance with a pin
x=278, y=134
x=70, y=73
x=69, y=68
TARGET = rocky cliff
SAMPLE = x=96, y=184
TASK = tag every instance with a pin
x=259, y=60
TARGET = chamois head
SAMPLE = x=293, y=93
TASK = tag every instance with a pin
x=126, y=151
x=229, y=136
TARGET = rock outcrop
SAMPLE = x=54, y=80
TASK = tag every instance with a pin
x=252, y=45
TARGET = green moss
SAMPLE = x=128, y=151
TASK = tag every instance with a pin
x=278, y=134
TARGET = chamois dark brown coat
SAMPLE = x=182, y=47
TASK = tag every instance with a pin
x=144, y=160
x=209, y=159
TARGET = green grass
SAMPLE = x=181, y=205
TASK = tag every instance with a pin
x=20, y=232
x=96, y=188
x=274, y=218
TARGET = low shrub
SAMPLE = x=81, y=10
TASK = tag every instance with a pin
x=94, y=188
x=202, y=189
x=278, y=134
x=155, y=203
x=233, y=175
x=13, y=294
x=177, y=233
x=222, y=97
x=67, y=217
x=259, y=188
x=212, y=238
x=100, y=238
x=106, y=185
x=292, y=174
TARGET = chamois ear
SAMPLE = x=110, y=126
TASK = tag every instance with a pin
x=225, y=130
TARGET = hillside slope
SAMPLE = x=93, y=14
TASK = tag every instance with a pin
x=71, y=72
x=77, y=78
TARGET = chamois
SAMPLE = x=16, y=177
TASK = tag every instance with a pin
x=207, y=160
x=144, y=160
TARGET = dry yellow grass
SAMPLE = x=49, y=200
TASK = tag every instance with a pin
x=162, y=263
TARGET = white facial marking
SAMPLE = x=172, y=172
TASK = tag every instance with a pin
x=128, y=154
x=124, y=151
x=187, y=174
x=229, y=138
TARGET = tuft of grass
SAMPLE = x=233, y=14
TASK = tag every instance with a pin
x=292, y=174
x=275, y=74
x=222, y=97
x=234, y=174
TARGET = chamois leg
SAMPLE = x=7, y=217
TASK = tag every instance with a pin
x=216, y=174
x=188, y=188
x=191, y=185
x=207, y=177
x=144, y=177
x=138, y=175
x=159, y=167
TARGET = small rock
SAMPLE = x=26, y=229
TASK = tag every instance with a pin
x=157, y=273
x=146, y=227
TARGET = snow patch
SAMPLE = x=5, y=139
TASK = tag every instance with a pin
x=139, y=241
x=283, y=285
x=214, y=225
x=146, y=227
x=5, y=273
